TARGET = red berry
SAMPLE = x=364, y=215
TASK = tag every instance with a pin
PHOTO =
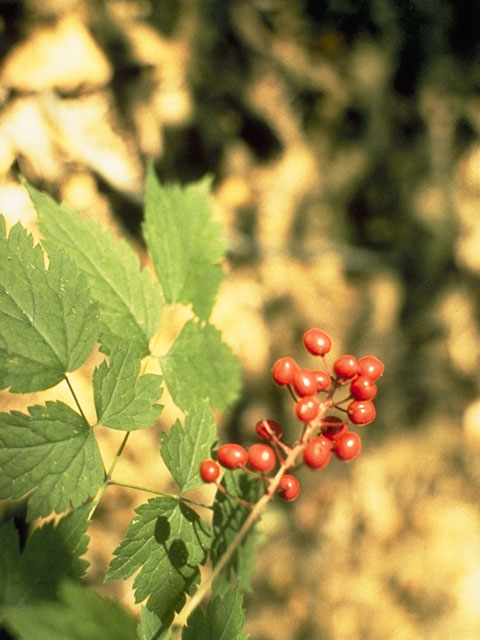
x=346, y=366
x=306, y=409
x=348, y=446
x=288, y=487
x=209, y=470
x=304, y=382
x=232, y=455
x=317, y=342
x=261, y=457
x=267, y=429
x=371, y=367
x=333, y=427
x=323, y=380
x=361, y=411
x=362, y=388
x=318, y=452
x=283, y=370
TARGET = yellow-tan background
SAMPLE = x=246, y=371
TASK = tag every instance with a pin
x=343, y=138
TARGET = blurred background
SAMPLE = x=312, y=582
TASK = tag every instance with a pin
x=343, y=137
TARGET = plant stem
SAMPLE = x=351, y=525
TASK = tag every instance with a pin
x=72, y=391
x=107, y=481
x=163, y=494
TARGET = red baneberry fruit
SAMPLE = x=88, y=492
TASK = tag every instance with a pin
x=361, y=411
x=267, y=429
x=348, y=446
x=333, y=427
x=304, y=382
x=232, y=455
x=288, y=487
x=371, y=367
x=306, y=409
x=317, y=342
x=318, y=452
x=209, y=470
x=346, y=366
x=322, y=379
x=283, y=370
x=261, y=457
x=362, y=388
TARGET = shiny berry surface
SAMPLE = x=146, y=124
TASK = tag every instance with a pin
x=317, y=342
x=348, y=446
x=371, y=367
x=232, y=455
x=322, y=379
x=288, y=487
x=362, y=388
x=261, y=457
x=318, y=452
x=346, y=366
x=304, y=382
x=361, y=411
x=283, y=370
x=306, y=409
x=209, y=470
x=267, y=429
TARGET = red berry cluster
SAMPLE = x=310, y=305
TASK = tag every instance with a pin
x=323, y=434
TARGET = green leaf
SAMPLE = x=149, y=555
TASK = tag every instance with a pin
x=223, y=620
x=80, y=614
x=184, y=448
x=50, y=554
x=12, y=579
x=199, y=365
x=228, y=518
x=48, y=322
x=184, y=242
x=122, y=399
x=150, y=627
x=167, y=541
x=51, y=453
x=130, y=303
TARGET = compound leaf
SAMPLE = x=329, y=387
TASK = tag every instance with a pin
x=200, y=365
x=48, y=321
x=79, y=614
x=183, y=448
x=52, y=453
x=223, y=619
x=122, y=399
x=167, y=542
x=130, y=303
x=184, y=242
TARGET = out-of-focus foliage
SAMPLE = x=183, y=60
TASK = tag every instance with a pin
x=343, y=138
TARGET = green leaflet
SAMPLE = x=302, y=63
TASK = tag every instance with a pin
x=130, y=304
x=48, y=322
x=223, y=619
x=150, y=627
x=50, y=554
x=78, y=614
x=184, y=242
x=167, y=541
x=50, y=452
x=198, y=366
x=183, y=448
x=123, y=400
